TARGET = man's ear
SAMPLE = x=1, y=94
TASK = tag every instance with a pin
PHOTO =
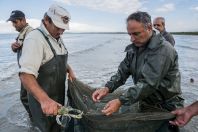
x=163, y=24
x=149, y=26
x=23, y=20
x=45, y=21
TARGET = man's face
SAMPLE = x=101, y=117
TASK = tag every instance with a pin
x=18, y=24
x=54, y=30
x=158, y=25
x=138, y=32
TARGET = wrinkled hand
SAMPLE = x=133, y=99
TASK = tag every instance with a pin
x=15, y=46
x=111, y=107
x=182, y=117
x=99, y=93
x=50, y=107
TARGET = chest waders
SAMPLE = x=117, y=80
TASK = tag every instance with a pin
x=51, y=78
x=23, y=92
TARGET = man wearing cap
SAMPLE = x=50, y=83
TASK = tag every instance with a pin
x=19, y=23
x=44, y=68
x=159, y=24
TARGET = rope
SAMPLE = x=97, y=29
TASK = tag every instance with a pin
x=68, y=112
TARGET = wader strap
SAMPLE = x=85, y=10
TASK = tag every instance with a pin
x=63, y=44
x=47, y=39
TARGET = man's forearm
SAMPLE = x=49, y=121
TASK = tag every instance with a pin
x=116, y=81
x=31, y=85
x=135, y=93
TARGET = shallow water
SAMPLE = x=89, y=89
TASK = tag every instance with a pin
x=94, y=58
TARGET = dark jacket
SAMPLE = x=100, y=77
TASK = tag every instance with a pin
x=168, y=37
x=155, y=72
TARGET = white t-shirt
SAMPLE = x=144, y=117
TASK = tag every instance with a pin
x=36, y=51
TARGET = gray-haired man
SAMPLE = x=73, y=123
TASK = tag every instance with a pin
x=159, y=24
x=153, y=65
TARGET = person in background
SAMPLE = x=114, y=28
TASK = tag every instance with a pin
x=184, y=115
x=18, y=20
x=44, y=68
x=159, y=24
x=153, y=65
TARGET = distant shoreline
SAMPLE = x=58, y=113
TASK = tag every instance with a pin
x=175, y=33
x=185, y=33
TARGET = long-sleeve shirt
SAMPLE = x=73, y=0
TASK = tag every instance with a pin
x=168, y=37
x=154, y=70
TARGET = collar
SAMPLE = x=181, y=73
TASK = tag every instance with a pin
x=45, y=31
x=155, y=41
x=24, y=28
x=163, y=32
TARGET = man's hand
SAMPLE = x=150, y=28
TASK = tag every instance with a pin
x=50, y=107
x=15, y=46
x=111, y=107
x=71, y=75
x=99, y=93
x=183, y=116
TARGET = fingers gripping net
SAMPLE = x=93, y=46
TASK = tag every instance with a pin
x=126, y=120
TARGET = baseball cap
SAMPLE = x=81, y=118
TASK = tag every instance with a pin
x=16, y=14
x=59, y=16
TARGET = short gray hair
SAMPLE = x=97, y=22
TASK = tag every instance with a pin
x=139, y=16
x=161, y=18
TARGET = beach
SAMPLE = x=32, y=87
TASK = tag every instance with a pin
x=94, y=58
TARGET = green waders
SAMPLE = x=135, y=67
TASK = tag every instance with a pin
x=51, y=78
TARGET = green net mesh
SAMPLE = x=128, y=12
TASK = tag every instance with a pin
x=127, y=119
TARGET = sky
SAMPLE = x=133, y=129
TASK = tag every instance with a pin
x=104, y=15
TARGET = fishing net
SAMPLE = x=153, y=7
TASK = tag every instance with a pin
x=127, y=119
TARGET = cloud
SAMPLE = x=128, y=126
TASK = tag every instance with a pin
x=195, y=8
x=6, y=27
x=115, y=6
x=82, y=27
x=166, y=8
x=181, y=26
x=34, y=22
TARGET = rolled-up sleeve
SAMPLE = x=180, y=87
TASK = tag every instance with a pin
x=32, y=55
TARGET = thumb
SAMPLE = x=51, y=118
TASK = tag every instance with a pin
x=59, y=105
x=70, y=78
x=173, y=112
x=176, y=112
x=99, y=96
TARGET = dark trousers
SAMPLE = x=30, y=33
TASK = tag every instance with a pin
x=24, y=100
